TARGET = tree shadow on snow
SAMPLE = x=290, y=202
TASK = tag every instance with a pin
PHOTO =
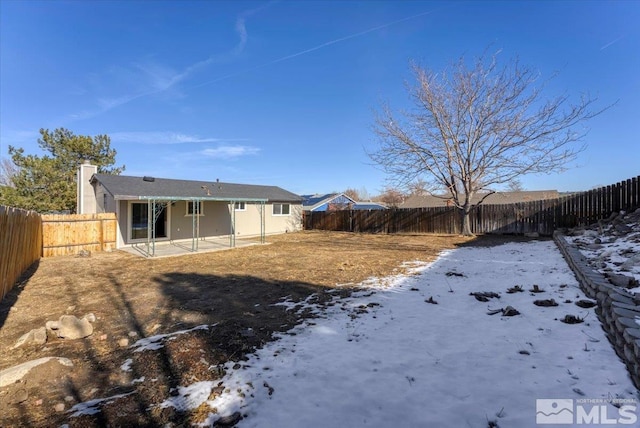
x=494, y=240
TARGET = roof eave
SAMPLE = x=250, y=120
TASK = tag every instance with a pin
x=187, y=198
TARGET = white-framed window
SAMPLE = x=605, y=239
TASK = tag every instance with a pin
x=240, y=206
x=197, y=205
x=281, y=209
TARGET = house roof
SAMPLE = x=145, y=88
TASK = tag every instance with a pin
x=124, y=187
x=311, y=202
x=493, y=199
x=368, y=206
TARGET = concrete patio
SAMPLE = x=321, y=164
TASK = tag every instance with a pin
x=184, y=247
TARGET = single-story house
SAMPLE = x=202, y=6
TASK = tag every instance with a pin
x=335, y=202
x=160, y=209
x=498, y=198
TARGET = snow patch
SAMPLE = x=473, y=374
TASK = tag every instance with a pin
x=92, y=407
x=155, y=342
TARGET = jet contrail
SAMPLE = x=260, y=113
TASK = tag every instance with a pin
x=610, y=43
x=315, y=48
x=342, y=39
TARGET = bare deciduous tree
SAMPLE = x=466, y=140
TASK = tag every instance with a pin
x=390, y=197
x=418, y=187
x=475, y=128
x=364, y=195
x=515, y=186
x=358, y=195
x=352, y=193
x=8, y=170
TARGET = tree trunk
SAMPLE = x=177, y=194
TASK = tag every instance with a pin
x=466, y=222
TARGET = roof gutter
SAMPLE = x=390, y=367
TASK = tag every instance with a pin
x=187, y=198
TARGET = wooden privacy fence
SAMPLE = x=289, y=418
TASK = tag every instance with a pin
x=515, y=218
x=541, y=217
x=70, y=234
x=25, y=236
x=20, y=244
x=589, y=207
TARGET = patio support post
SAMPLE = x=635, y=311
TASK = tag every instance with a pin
x=193, y=226
x=148, y=227
x=232, y=234
x=262, y=222
x=197, y=210
x=153, y=229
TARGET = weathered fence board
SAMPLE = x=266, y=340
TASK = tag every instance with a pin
x=541, y=217
x=20, y=244
x=64, y=234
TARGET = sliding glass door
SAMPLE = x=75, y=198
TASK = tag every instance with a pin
x=139, y=219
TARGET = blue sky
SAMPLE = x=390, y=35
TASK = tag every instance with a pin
x=284, y=93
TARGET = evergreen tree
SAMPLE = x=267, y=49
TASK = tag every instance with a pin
x=48, y=183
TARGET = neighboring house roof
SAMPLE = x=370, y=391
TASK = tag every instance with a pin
x=331, y=201
x=368, y=206
x=493, y=199
x=124, y=187
x=312, y=200
x=321, y=202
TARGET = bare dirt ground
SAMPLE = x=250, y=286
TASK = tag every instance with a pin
x=232, y=292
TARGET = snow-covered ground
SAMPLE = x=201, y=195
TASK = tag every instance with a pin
x=420, y=351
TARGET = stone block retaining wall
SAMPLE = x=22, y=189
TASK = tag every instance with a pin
x=618, y=310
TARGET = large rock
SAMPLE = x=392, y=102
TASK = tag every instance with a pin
x=621, y=280
x=70, y=327
x=37, y=336
x=623, y=228
x=15, y=373
x=631, y=262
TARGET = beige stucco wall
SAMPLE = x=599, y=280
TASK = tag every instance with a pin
x=105, y=203
x=121, y=215
x=215, y=220
x=248, y=221
x=104, y=200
